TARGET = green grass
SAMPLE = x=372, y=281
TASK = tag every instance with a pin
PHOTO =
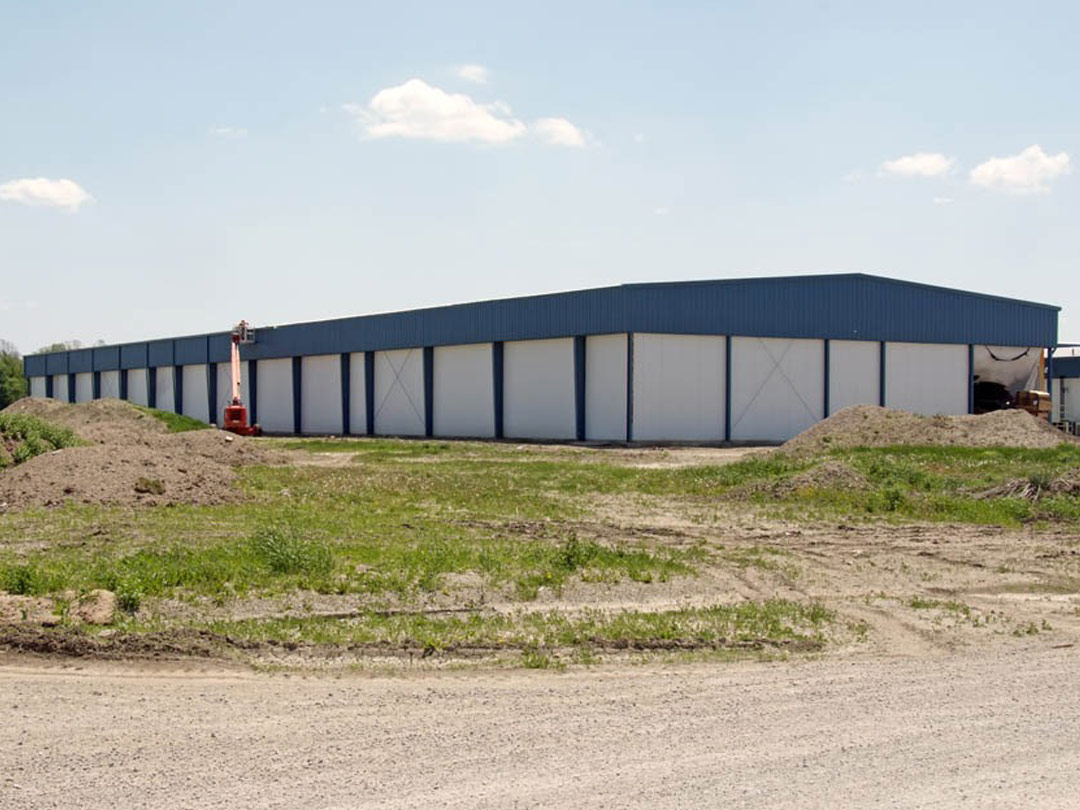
x=175, y=422
x=773, y=621
x=23, y=436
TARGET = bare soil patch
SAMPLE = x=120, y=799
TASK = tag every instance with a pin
x=132, y=459
x=871, y=426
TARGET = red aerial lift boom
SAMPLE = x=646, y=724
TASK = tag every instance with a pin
x=236, y=416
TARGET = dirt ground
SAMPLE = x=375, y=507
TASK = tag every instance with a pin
x=131, y=459
x=993, y=728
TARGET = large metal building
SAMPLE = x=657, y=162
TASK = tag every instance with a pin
x=731, y=360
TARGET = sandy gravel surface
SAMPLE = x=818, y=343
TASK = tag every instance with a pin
x=992, y=728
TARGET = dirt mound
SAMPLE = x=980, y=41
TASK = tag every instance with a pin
x=827, y=475
x=871, y=426
x=133, y=459
x=104, y=421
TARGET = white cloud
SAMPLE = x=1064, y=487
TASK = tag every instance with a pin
x=61, y=193
x=662, y=211
x=415, y=109
x=478, y=74
x=559, y=132
x=943, y=200
x=1028, y=172
x=230, y=133
x=921, y=164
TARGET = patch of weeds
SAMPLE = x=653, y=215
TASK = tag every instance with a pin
x=284, y=550
x=23, y=436
x=22, y=580
x=128, y=598
x=175, y=422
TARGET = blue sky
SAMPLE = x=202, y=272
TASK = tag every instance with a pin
x=284, y=162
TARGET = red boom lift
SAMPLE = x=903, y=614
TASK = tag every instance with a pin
x=236, y=416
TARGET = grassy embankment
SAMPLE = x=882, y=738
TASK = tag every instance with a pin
x=400, y=520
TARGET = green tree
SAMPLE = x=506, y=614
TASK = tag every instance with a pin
x=12, y=381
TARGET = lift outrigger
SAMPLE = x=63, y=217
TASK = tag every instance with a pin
x=236, y=415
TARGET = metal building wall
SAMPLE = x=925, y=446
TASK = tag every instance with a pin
x=605, y=387
x=679, y=387
x=275, y=394
x=320, y=409
x=927, y=379
x=538, y=389
x=164, y=392
x=854, y=373
x=110, y=384
x=358, y=413
x=137, y=386
x=196, y=392
x=399, y=393
x=37, y=386
x=84, y=386
x=463, y=397
x=777, y=387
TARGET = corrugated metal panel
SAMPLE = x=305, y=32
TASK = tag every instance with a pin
x=850, y=306
x=1065, y=367
x=160, y=352
x=133, y=355
x=34, y=365
x=57, y=363
x=190, y=351
x=80, y=360
x=106, y=358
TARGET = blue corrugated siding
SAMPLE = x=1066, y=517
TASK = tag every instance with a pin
x=80, y=360
x=1065, y=367
x=190, y=351
x=853, y=306
x=106, y=358
x=133, y=355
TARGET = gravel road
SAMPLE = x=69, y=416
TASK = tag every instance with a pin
x=984, y=728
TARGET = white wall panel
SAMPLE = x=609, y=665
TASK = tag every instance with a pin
x=678, y=387
x=84, y=386
x=399, y=392
x=926, y=378
x=196, y=392
x=224, y=389
x=37, y=386
x=275, y=394
x=320, y=395
x=605, y=387
x=110, y=384
x=357, y=395
x=464, y=398
x=60, y=387
x=777, y=387
x=538, y=389
x=854, y=377
x=136, y=385
x=164, y=389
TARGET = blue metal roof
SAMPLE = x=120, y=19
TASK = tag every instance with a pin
x=843, y=306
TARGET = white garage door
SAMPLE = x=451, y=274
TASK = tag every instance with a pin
x=678, y=387
x=464, y=399
x=399, y=392
x=320, y=405
x=777, y=387
x=538, y=389
x=275, y=392
x=605, y=387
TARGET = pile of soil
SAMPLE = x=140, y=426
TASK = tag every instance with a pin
x=871, y=426
x=131, y=458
